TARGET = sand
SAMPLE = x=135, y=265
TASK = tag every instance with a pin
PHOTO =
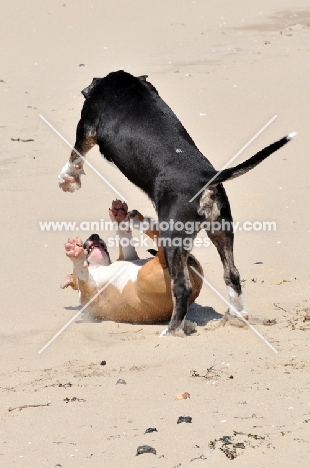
x=225, y=68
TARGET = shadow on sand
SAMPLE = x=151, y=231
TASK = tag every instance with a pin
x=196, y=313
x=202, y=315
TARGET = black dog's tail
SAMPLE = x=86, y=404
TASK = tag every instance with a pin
x=233, y=172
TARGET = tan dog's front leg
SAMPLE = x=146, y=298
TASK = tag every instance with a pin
x=118, y=214
x=81, y=279
x=75, y=251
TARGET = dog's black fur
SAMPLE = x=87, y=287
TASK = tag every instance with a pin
x=137, y=131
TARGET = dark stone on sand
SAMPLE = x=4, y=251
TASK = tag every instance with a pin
x=121, y=381
x=150, y=429
x=145, y=449
x=186, y=419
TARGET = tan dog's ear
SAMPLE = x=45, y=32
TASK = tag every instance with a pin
x=70, y=280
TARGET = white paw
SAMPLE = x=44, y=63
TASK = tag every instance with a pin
x=189, y=327
x=69, y=179
x=165, y=333
x=242, y=315
x=180, y=333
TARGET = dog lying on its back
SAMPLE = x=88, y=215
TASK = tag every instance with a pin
x=137, y=131
x=132, y=290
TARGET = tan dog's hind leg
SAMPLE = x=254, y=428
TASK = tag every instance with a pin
x=196, y=281
x=151, y=231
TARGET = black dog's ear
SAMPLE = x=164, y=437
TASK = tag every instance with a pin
x=148, y=84
x=86, y=91
x=143, y=77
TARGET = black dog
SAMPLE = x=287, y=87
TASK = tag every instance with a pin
x=137, y=131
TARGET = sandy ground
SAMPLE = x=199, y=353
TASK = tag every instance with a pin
x=225, y=68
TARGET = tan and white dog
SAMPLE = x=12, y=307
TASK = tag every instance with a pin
x=132, y=290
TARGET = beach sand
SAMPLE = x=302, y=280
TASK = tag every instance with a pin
x=225, y=68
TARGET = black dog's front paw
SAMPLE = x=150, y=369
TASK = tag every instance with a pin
x=69, y=179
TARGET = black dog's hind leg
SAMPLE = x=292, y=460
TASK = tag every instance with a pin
x=223, y=241
x=214, y=205
x=176, y=259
